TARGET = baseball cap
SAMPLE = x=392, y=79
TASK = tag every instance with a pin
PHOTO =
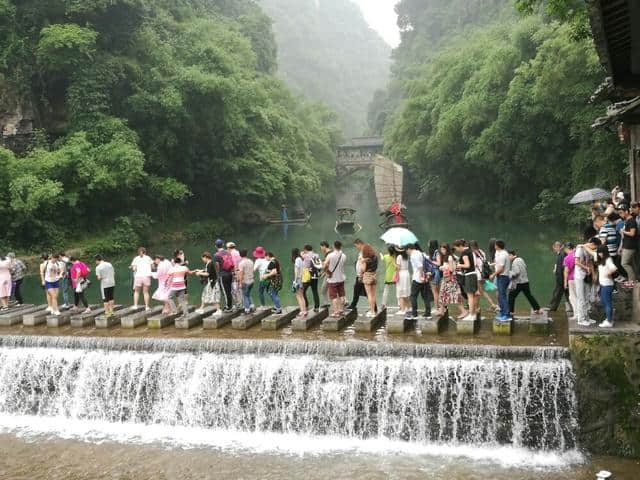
x=219, y=243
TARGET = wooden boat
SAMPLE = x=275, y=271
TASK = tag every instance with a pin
x=346, y=222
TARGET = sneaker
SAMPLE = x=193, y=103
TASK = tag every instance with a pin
x=108, y=314
x=48, y=309
x=591, y=321
x=620, y=279
x=411, y=316
x=370, y=314
x=200, y=311
x=217, y=313
x=584, y=324
x=87, y=310
x=606, y=324
x=147, y=309
x=56, y=313
x=64, y=306
x=469, y=317
x=278, y=311
x=503, y=318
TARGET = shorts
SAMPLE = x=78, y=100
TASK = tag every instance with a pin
x=139, y=282
x=107, y=294
x=369, y=278
x=52, y=285
x=471, y=283
x=336, y=290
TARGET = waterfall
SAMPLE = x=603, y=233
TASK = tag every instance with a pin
x=252, y=387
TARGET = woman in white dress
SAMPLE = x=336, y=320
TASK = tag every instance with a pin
x=403, y=287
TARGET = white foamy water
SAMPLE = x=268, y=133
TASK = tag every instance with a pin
x=510, y=412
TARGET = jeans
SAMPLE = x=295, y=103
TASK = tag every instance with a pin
x=582, y=300
x=424, y=290
x=607, y=302
x=313, y=284
x=65, y=286
x=225, y=282
x=503, y=285
x=261, y=289
x=246, y=296
x=275, y=298
x=628, y=264
x=524, y=288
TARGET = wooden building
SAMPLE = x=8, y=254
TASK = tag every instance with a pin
x=616, y=34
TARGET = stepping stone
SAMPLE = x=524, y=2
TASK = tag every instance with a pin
x=310, y=321
x=219, y=319
x=15, y=317
x=370, y=324
x=539, y=324
x=468, y=327
x=332, y=324
x=103, y=322
x=88, y=319
x=502, y=328
x=277, y=321
x=16, y=309
x=35, y=318
x=434, y=324
x=193, y=319
x=132, y=320
x=55, y=321
x=164, y=319
x=244, y=322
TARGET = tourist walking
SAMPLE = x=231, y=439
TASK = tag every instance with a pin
x=310, y=276
x=450, y=293
x=296, y=286
x=141, y=267
x=177, y=278
x=358, y=286
x=390, y=273
x=584, y=274
x=325, y=249
x=606, y=270
x=419, y=282
x=483, y=271
x=467, y=266
x=50, y=278
x=609, y=236
x=65, y=280
x=208, y=278
x=434, y=282
x=106, y=274
x=79, y=283
x=334, y=268
x=245, y=280
x=403, y=286
x=260, y=265
x=568, y=267
x=163, y=268
x=520, y=281
x=224, y=268
x=369, y=267
x=560, y=290
x=5, y=282
x=629, y=243
x=18, y=272
x=502, y=269
x=274, y=275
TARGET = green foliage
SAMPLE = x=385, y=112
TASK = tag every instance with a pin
x=153, y=104
x=503, y=119
x=572, y=12
x=207, y=230
x=328, y=53
x=127, y=232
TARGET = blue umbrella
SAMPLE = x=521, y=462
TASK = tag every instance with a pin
x=399, y=236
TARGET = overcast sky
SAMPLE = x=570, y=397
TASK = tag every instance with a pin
x=381, y=17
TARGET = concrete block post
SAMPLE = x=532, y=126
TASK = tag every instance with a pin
x=246, y=321
x=435, y=324
x=35, y=318
x=539, y=323
x=502, y=328
x=163, y=320
x=219, y=319
x=468, y=327
x=193, y=319
x=88, y=319
x=370, y=324
x=277, y=321
x=15, y=317
x=333, y=324
x=636, y=304
x=130, y=321
x=103, y=322
x=310, y=321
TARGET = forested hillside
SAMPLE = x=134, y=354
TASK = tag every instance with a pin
x=496, y=117
x=326, y=51
x=149, y=107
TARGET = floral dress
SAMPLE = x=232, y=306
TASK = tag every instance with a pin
x=449, y=288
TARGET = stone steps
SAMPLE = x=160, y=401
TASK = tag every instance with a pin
x=363, y=323
x=333, y=324
x=311, y=320
x=194, y=318
x=219, y=319
x=133, y=320
x=10, y=318
x=246, y=321
x=277, y=321
x=89, y=319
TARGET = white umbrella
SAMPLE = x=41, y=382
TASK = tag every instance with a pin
x=399, y=236
x=587, y=196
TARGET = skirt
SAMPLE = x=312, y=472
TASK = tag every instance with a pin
x=162, y=293
x=450, y=291
x=403, y=287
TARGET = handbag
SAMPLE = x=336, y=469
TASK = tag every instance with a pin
x=396, y=277
x=306, y=275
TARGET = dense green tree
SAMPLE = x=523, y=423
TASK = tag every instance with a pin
x=328, y=52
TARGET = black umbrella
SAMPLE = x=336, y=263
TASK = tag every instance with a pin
x=588, y=196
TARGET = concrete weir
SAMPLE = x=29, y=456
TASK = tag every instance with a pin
x=363, y=323
x=55, y=321
x=193, y=319
x=311, y=320
x=539, y=323
x=397, y=322
x=14, y=317
x=335, y=324
x=37, y=318
x=468, y=327
x=163, y=320
x=219, y=319
x=85, y=319
x=246, y=321
x=103, y=322
x=434, y=324
x=136, y=319
x=277, y=321
x=502, y=328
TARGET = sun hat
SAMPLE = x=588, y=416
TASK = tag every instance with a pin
x=258, y=252
x=219, y=243
x=231, y=245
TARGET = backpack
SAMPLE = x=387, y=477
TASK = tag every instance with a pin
x=316, y=267
x=227, y=261
x=429, y=267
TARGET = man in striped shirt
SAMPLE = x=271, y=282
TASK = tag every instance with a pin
x=609, y=236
